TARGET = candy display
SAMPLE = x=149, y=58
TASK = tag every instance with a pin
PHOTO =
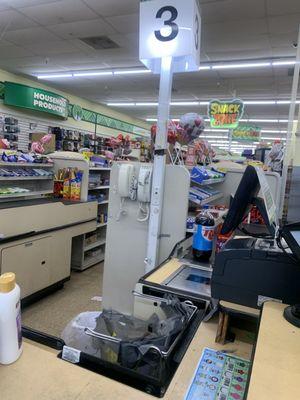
x=198, y=195
x=67, y=184
x=191, y=125
x=16, y=157
x=23, y=172
x=219, y=376
x=201, y=174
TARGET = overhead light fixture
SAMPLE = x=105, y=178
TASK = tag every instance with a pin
x=54, y=76
x=204, y=67
x=147, y=104
x=92, y=73
x=259, y=102
x=242, y=65
x=279, y=63
x=263, y=120
x=216, y=130
x=272, y=131
x=185, y=103
x=132, y=71
x=212, y=136
x=120, y=104
x=273, y=138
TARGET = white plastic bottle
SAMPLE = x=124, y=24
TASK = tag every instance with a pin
x=10, y=319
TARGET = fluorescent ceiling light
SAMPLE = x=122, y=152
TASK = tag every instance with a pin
x=132, y=71
x=204, y=67
x=272, y=131
x=54, y=76
x=120, y=104
x=147, y=104
x=185, y=103
x=259, y=102
x=212, y=136
x=92, y=73
x=242, y=65
x=216, y=130
x=204, y=103
x=288, y=62
x=262, y=120
x=273, y=138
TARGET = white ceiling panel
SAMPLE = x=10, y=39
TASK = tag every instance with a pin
x=24, y=3
x=232, y=10
x=125, y=23
x=59, y=12
x=236, y=43
x=14, y=52
x=82, y=29
x=244, y=28
x=11, y=20
x=284, y=24
x=29, y=36
x=52, y=47
x=280, y=7
x=109, y=8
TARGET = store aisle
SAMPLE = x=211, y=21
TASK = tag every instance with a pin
x=52, y=313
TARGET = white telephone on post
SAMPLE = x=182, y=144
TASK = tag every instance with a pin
x=127, y=186
x=144, y=192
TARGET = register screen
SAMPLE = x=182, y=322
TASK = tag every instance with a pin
x=296, y=236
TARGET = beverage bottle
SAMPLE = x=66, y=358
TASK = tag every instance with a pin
x=203, y=236
x=10, y=319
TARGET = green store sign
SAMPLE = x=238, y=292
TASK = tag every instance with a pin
x=35, y=99
x=246, y=132
x=17, y=95
x=225, y=114
x=104, y=120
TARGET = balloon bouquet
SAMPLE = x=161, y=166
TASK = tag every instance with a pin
x=187, y=133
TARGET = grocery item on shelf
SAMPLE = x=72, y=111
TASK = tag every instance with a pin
x=198, y=195
x=5, y=191
x=201, y=174
x=67, y=184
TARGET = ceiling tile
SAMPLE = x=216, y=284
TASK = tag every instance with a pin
x=59, y=12
x=52, y=47
x=284, y=24
x=11, y=20
x=24, y=3
x=125, y=23
x=232, y=10
x=4, y=5
x=278, y=7
x=13, y=51
x=82, y=29
x=29, y=36
x=109, y=8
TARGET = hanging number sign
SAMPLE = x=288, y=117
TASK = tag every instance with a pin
x=170, y=29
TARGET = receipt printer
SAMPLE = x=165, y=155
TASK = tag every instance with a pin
x=250, y=271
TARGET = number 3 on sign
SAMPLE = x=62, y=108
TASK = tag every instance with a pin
x=169, y=28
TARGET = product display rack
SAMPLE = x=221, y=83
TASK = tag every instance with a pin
x=89, y=249
x=35, y=185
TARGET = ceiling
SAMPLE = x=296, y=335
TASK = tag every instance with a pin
x=43, y=36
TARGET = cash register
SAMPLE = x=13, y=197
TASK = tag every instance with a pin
x=251, y=270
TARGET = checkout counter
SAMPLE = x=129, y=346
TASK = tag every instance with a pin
x=36, y=232
x=275, y=368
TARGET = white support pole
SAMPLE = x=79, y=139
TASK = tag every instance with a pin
x=288, y=149
x=159, y=168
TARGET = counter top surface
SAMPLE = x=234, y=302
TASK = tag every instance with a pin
x=276, y=367
x=39, y=374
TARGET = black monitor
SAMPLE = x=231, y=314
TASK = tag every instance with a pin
x=247, y=195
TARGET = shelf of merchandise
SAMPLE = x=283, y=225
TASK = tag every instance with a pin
x=208, y=200
x=26, y=194
x=24, y=164
x=99, y=188
x=25, y=178
x=95, y=244
x=81, y=259
x=208, y=182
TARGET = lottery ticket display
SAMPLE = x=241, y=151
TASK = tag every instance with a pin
x=219, y=376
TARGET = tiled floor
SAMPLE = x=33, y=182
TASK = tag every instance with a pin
x=52, y=313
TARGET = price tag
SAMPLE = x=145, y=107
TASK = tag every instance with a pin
x=170, y=28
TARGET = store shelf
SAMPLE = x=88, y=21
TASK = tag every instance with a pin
x=23, y=164
x=208, y=200
x=208, y=182
x=98, y=187
x=101, y=225
x=27, y=194
x=91, y=261
x=99, y=169
x=96, y=244
x=25, y=178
